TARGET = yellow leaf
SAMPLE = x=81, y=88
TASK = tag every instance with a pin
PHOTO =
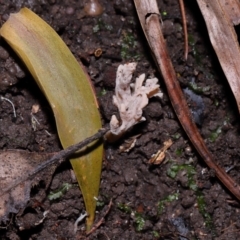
x=68, y=90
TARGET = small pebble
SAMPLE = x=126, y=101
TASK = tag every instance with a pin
x=93, y=8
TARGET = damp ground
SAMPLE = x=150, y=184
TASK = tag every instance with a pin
x=179, y=199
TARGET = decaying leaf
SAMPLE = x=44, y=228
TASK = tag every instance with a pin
x=13, y=165
x=232, y=9
x=220, y=16
x=158, y=157
x=68, y=90
x=130, y=99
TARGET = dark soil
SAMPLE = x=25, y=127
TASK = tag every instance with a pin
x=179, y=199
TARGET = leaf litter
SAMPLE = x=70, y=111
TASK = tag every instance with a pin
x=13, y=165
x=17, y=181
x=223, y=212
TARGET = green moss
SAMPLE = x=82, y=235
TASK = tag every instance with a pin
x=156, y=234
x=192, y=43
x=96, y=28
x=203, y=210
x=215, y=134
x=129, y=47
x=139, y=221
x=216, y=102
x=194, y=87
x=102, y=92
x=169, y=198
x=124, y=208
x=139, y=218
x=101, y=25
x=108, y=27
x=172, y=172
x=176, y=136
x=100, y=204
x=59, y=192
x=179, y=152
x=191, y=40
x=190, y=171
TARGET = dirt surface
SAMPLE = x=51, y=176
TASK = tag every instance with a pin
x=179, y=199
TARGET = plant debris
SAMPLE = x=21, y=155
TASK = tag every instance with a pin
x=129, y=144
x=17, y=177
x=158, y=157
x=13, y=165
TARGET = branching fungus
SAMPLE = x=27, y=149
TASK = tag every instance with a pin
x=130, y=99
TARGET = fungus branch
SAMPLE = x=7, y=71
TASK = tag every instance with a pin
x=130, y=99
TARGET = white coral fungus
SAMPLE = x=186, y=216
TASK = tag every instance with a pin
x=131, y=98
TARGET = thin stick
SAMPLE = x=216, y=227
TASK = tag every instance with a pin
x=184, y=22
x=100, y=222
x=63, y=154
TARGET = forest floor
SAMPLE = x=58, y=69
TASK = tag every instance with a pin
x=179, y=199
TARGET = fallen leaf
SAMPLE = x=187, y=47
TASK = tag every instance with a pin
x=13, y=165
x=220, y=18
x=232, y=9
x=68, y=90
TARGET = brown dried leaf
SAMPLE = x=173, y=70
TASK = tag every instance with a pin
x=13, y=165
x=232, y=9
x=224, y=38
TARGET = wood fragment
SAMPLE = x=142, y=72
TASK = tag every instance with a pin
x=129, y=144
x=158, y=157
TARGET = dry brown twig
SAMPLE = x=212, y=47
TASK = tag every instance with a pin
x=184, y=23
x=101, y=221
